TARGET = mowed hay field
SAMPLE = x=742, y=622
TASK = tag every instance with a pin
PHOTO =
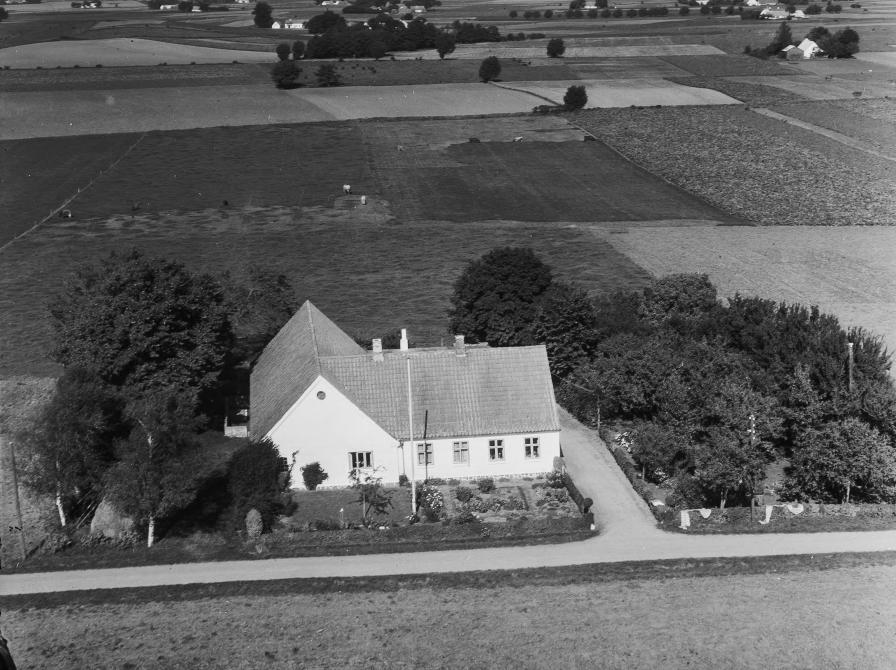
x=847, y=271
x=365, y=270
x=767, y=171
x=439, y=174
x=841, y=618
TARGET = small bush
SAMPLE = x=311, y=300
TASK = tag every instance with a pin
x=463, y=493
x=464, y=517
x=435, y=481
x=403, y=480
x=555, y=480
x=486, y=485
x=513, y=13
x=313, y=475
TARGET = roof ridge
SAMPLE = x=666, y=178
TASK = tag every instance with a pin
x=314, y=337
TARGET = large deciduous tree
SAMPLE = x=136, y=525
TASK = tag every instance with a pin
x=489, y=69
x=495, y=300
x=143, y=324
x=841, y=462
x=566, y=324
x=156, y=471
x=69, y=447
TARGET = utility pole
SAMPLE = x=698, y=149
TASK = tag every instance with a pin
x=849, y=368
x=411, y=441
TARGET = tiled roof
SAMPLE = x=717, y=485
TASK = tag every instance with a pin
x=290, y=362
x=490, y=391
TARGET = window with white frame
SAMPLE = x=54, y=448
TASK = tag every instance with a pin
x=461, y=452
x=530, y=444
x=424, y=453
x=360, y=459
x=496, y=450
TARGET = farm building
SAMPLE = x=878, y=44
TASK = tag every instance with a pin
x=477, y=410
x=793, y=53
x=774, y=14
x=809, y=48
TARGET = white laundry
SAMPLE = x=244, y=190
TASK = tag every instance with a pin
x=768, y=514
x=704, y=512
x=685, y=519
x=795, y=508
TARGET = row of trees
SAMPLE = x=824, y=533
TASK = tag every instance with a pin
x=713, y=393
x=601, y=11
x=150, y=350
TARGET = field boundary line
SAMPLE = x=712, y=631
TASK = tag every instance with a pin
x=75, y=195
x=825, y=132
x=522, y=90
x=736, y=218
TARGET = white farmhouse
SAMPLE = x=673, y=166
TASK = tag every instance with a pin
x=484, y=411
x=809, y=48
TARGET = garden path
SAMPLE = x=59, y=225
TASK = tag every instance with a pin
x=627, y=535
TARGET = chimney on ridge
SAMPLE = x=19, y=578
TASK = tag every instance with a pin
x=459, y=347
x=377, y=350
x=403, y=345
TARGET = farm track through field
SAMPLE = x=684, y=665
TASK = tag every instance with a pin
x=837, y=137
x=71, y=198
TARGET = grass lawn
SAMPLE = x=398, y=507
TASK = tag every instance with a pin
x=794, y=612
x=324, y=505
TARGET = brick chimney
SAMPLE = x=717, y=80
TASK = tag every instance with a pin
x=377, y=350
x=459, y=347
x=403, y=345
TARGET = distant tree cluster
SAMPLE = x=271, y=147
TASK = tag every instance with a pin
x=711, y=393
x=841, y=44
x=576, y=11
x=381, y=34
x=147, y=348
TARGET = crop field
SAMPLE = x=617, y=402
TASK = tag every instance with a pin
x=839, y=618
x=847, y=271
x=766, y=171
x=626, y=92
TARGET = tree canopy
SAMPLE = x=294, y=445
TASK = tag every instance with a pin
x=495, y=298
x=143, y=324
x=489, y=69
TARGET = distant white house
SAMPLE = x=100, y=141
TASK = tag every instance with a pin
x=477, y=411
x=167, y=8
x=418, y=9
x=774, y=14
x=293, y=24
x=277, y=25
x=798, y=14
x=809, y=48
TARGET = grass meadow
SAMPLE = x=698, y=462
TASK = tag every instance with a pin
x=780, y=612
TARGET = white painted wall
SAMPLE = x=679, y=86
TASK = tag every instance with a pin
x=326, y=430
x=514, y=463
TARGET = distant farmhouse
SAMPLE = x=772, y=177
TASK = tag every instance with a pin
x=804, y=50
x=483, y=411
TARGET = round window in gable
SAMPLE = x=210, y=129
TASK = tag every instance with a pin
x=321, y=395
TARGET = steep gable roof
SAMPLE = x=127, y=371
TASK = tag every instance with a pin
x=489, y=391
x=290, y=362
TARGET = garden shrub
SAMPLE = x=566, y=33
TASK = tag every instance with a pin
x=486, y=485
x=403, y=480
x=435, y=481
x=431, y=502
x=465, y=516
x=463, y=493
x=258, y=477
x=313, y=475
x=555, y=480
